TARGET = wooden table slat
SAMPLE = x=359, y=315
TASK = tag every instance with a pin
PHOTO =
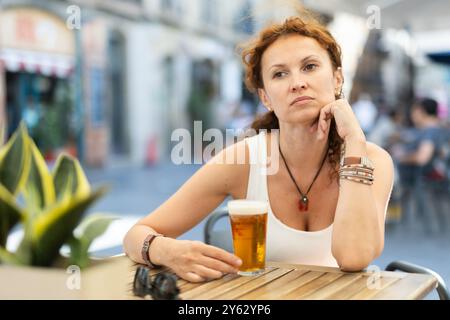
x=227, y=286
x=350, y=290
x=254, y=284
x=369, y=291
x=312, y=286
x=338, y=285
x=266, y=291
x=415, y=286
x=207, y=286
x=294, y=284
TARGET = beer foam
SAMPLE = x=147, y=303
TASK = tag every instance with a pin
x=247, y=207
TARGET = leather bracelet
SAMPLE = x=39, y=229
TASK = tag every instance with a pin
x=364, y=161
x=145, y=252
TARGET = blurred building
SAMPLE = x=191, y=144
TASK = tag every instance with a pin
x=120, y=82
x=112, y=79
x=37, y=62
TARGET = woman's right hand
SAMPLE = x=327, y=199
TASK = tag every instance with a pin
x=195, y=261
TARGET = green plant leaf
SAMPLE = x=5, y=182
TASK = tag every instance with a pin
x=90, y=228
x=54, y=227
x=68, y=177
x=93, y=226
x=39, y=190
x=10, y=214
x=7, y=257
x=77, y=256
x=14, y=161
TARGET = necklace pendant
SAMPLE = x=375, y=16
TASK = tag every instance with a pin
x=303, y=204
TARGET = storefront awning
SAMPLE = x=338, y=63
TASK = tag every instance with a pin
x=48, y=64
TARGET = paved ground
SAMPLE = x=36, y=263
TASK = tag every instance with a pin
x=136, y=191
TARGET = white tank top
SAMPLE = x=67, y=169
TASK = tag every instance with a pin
x=285, y=244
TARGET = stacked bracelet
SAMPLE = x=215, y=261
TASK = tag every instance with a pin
x=360, y=173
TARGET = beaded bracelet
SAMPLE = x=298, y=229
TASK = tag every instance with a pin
x=356, y=169
x=356, y=173
x=359, y=180
x=357, y=176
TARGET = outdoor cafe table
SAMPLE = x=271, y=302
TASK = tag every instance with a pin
x=112, y=278
x=292, y=281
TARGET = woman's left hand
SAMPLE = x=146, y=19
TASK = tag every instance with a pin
x=346, y=123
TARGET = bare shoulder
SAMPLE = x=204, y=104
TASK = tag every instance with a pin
x=378, y=154
x=384, y=166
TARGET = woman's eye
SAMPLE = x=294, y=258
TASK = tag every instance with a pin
x=279, y=74
x=310, y=67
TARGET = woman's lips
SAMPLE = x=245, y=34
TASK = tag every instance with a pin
x=301, y=101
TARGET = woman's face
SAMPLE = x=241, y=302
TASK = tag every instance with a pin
x=296, y=66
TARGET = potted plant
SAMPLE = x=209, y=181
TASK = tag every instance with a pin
x=50, y=206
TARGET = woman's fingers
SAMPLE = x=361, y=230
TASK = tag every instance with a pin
x=201, y=262
x=222, y=255
x=217, y=265
x=326, y=114
x=323, y=127
x=192, y=277
x=207, y=273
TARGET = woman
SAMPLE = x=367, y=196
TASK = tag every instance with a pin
x=321, y=212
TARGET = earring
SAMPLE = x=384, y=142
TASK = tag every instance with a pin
x=339, y=94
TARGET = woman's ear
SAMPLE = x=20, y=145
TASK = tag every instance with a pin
x=264, y=99
x=338, y=79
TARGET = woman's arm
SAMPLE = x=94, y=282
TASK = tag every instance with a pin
x=358, y=232
x=200, y=195
x=358, y=228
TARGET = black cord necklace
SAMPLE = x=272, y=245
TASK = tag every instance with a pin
x=303, y=202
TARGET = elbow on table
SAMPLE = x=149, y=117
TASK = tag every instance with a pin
x=353, y=266
x=353, y=260
x=351, y=263
x=128, y=243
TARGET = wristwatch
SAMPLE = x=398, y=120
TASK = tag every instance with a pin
x=366, y=162
x=145, y=252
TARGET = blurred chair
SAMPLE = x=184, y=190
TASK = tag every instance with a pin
x=414, y=268
x=218, y=238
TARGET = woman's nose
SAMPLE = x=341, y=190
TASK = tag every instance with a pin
x=298, y=83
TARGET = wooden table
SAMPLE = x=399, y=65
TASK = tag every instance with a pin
x=112, y=278
x=292, y=282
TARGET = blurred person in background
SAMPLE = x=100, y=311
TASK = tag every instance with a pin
x=385, y=128
x=429, y=141
x=422, y=163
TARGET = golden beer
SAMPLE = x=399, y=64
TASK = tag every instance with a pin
x=248, y=220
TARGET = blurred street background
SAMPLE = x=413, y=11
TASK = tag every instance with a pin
x=110, y=81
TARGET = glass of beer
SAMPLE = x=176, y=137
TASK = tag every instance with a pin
x=248, y=220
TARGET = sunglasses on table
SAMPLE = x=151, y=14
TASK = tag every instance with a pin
x=162, y=287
